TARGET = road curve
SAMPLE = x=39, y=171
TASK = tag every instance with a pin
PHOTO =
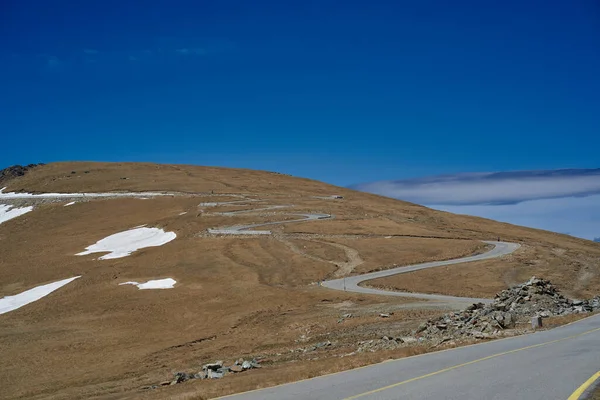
x=544, y=365
x=249, y=229
x=351, y=283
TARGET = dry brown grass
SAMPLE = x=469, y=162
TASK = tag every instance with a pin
x=235, y=296
x=595, y=395
x=407, y=250
x=573, y=271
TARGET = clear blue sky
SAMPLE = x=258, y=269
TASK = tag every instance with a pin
x=341, y=91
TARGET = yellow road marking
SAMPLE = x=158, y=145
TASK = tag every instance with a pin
x=396, y=359
x=577, y=394
x=469, y=363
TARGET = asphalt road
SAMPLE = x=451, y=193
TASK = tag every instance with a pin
x=545, y=365
x=249, y=229
x=351, y=283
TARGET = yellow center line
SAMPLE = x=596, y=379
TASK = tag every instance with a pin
x=577, y=394
x=473, y=362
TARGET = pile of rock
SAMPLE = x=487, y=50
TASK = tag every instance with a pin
x=536, y=297
x=540, y=297
x=15, y=171
x=214, y=370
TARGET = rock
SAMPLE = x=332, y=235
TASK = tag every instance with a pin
x=509, y=321
x=347, y=316
x=236, y=368
x=180, y=377
x=213, y=366
x=322, y=344
x=15, y=171
x=239, y=361
x=408, y=339
x=384, y=315
x=247, y=365
x=422, y=327
x=201, y=375
x=212, y=374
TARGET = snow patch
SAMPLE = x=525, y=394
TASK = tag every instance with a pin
x=167, y=283
x=124, y=243
x=8, y=212
x=69, y=204
x=10, y=303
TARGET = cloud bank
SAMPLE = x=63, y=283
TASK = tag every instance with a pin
x=565, y=201
x=490, y=188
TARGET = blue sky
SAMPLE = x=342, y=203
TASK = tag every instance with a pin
x=340, y=91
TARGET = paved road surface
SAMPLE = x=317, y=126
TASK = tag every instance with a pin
x=545, y=365
x=249, y=229
x=351, y=283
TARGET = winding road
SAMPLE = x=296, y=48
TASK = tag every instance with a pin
x=351, y=283
x=249, y=229
x=561, y=363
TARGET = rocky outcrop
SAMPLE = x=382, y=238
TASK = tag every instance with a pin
x=536, y=297
x=15, y=171
x=509, y=314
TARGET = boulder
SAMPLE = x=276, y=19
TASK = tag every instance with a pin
x=247, y=365
x=236, y=368
x=212, y=374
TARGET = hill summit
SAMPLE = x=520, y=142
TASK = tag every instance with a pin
x=120, y=274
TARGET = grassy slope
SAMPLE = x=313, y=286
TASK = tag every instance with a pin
x=235, y=296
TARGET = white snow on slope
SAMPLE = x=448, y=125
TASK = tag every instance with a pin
x=123, y=244
x=13, y=195
x=8, y=212
x=10, y=303
x=167, y=283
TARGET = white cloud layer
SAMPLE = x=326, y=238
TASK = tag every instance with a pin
x=576, y=216
x=564, y=201
x=490, y=188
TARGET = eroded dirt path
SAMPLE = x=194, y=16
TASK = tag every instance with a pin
x=344, y=267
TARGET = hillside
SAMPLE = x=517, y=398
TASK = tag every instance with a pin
x=236, y=295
